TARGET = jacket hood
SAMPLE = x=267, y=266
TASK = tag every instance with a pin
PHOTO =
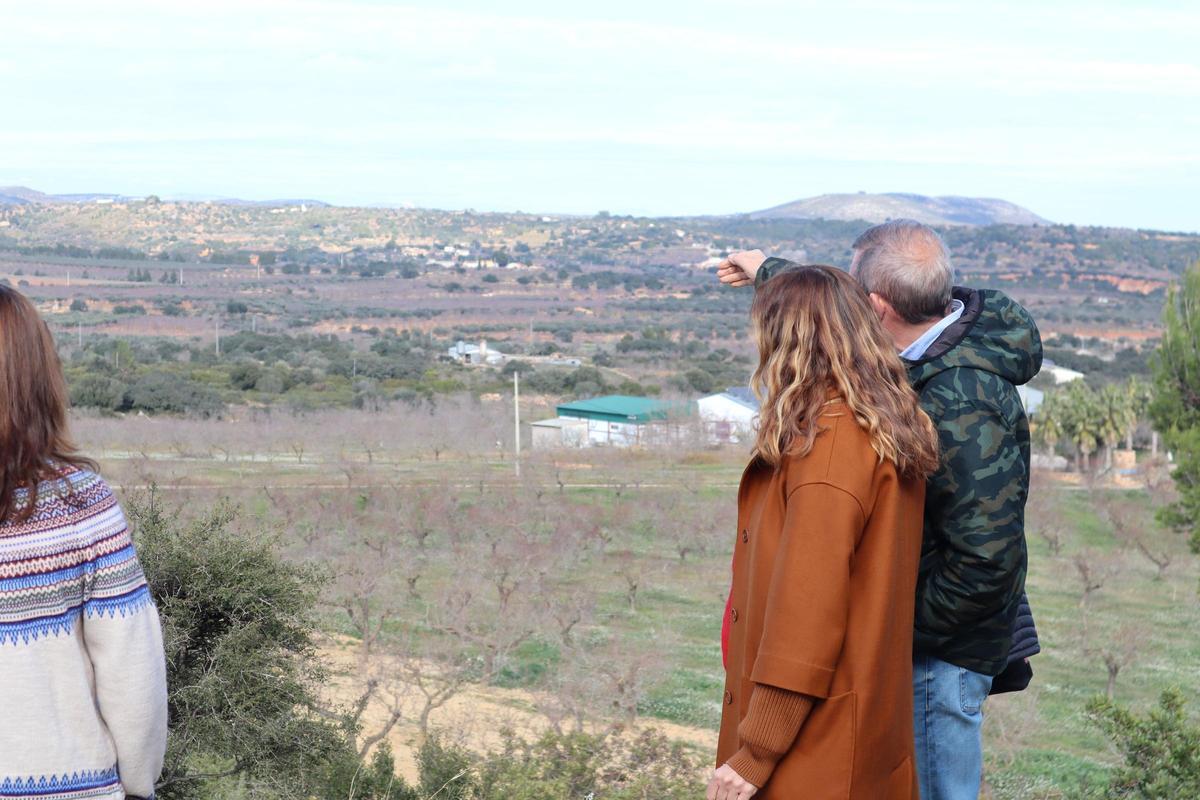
x=995, y=334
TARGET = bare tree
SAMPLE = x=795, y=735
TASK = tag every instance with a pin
x=1044, y=512
x=364, y=588
x=630, y=568
x=1117, y=650
x=1094, y=569
x=571, y=608
x=378, y=689
x=1133, y=526
x=1012, y=720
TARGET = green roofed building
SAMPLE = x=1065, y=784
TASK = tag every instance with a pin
x=624, y=421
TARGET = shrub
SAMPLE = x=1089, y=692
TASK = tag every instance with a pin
x=1161, y=749
x=244, y=376
x=98, y=391
x=270, y=383
x=591, y=765
x=241, y=667
x=79, y=305
x=162, y=391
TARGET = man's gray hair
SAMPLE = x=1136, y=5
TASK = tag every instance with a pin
x=907, y=264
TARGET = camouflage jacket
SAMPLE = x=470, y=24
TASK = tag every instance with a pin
x=973, y=557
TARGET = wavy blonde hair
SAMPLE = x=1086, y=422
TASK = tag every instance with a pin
x=818, y=339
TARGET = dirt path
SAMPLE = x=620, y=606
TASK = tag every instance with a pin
x=473, y=718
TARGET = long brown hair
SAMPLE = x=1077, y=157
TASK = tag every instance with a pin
x=818, y=338
x=34, y=445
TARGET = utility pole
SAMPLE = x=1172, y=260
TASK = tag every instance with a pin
x=181, y=276
x=68, y=279
x=79, y=326
x=517, y=417
x=254, y=324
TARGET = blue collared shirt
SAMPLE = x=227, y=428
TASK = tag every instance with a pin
x=916, y=350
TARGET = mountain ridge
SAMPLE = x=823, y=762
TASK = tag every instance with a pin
x=880, y=207
x=23, y=195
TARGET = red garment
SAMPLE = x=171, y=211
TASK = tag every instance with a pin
x=725, y=626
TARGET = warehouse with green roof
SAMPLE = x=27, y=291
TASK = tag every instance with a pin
x=616, y=420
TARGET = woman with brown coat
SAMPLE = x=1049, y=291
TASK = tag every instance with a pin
x=818, y=690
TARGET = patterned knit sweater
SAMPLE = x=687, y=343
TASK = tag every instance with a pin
x=82, y=672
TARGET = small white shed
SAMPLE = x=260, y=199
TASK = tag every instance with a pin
x=729, y=416
x=559, y=432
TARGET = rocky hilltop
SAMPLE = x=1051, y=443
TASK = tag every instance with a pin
x=948, y=210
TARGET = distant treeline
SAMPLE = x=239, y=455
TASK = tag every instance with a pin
x=300, y=372
x=293, y=261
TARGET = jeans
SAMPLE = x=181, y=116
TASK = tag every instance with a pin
x=947, y=720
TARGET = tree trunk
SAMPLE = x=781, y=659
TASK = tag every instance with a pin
x=1111, y=690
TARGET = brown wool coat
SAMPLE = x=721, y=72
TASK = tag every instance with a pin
x=824, y=583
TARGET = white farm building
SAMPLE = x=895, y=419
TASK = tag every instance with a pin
x=615, y=421
x=729, y=416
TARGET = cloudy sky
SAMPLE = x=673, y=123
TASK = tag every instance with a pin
x=1085, y=112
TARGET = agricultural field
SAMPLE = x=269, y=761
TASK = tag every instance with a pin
x=589, y=588
x=290, y=373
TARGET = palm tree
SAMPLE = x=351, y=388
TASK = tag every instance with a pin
x=1140, y=394
x=1116, y=419
x=1082, y=422
x=1047, y=424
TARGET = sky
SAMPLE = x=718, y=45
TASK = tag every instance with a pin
x=1084, y=112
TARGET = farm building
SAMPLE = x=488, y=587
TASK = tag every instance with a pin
x=475, y=354
x=1061, y=375
x=622, y=421
x=549, y=434
x=1031, y=398
x=729, y=416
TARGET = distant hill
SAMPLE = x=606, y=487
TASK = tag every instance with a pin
x=23, y=195
x=20, y=195
x=895, y=205
x=234, y=201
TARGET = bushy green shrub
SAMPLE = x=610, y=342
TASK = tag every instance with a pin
x=98, y=391
x=241, y=666
x=245, y=376
x=647, y=767
x=1161, y=749
x=162, y=391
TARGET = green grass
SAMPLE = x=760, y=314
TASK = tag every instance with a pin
x=1061, y=748
x=1040, y=744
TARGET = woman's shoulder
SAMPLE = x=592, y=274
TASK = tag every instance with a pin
x=73, y=493
x=841, y=457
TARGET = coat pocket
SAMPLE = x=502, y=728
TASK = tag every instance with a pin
x=820, y=764
x=901, y=782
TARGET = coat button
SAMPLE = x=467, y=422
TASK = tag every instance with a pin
x=745, y=535
x=733, y=615
x=728, y=697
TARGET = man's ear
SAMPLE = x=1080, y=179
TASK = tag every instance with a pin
x=882, y=307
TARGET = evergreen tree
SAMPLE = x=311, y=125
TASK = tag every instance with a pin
x=1175, y=410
